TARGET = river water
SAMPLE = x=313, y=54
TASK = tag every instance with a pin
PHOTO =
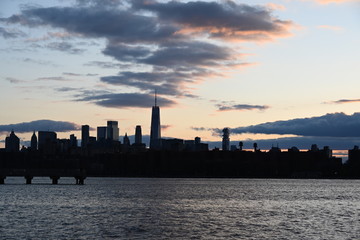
x=142, y=208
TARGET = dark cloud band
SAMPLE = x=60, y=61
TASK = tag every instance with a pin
x=329, y=125
x=40, y=125
x=126, y=100
x=241, y=107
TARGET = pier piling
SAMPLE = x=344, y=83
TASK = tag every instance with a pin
x=28, y=179
x=2, y=179
x=55, y=179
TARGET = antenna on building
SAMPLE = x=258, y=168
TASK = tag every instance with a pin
x=155, y=98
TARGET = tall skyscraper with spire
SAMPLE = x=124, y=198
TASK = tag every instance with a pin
x=33, y=142
x=155, y=132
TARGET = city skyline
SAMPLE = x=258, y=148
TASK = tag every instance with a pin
x=278, y=71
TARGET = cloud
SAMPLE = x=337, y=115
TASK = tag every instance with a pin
x=52, y=35
x=342, y=101
x=241, y=107
x=165, y=127
x=275, y=6
x=329, y=27
x=11, y=33
x=107, y=98
x=66, y=89
x=173, y=20
x=97, y=22
x=329, y=125
x=40, y=125
x=187, y=54
x=14, y=80
x=110, y=65
x=202, y=129
x=226, y=20
x=64, y=47
x=100, y=3
x=126, y=53
x=166, y=83
x=174, y=65
x=126, y=100
x=40, y=62
x=79, y=75
x=72, y=74
x=332, y=1
x=175, y=44
x=52, y=79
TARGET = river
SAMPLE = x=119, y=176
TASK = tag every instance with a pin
x=153, y=208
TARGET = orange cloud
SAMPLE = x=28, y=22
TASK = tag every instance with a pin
x=231, y=35
x=332, y=1
x=275, y=6
x=329, y=27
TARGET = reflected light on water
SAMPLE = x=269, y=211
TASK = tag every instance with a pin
x=134, y=208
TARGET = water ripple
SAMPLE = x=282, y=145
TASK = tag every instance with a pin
x=108, y=208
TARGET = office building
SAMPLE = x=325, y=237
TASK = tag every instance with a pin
x=195, y=145
x=73, y=141
x=12, y=143
x=155, y=131
x=226, y=139
x=47, y=140
x=112, y=130
x=101, y=133
x=85, y=134
x=138, y=135
x=34, y=142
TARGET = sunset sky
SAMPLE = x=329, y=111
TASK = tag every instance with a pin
x=277, y=72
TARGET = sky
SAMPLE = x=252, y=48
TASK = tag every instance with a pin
x=282, y=72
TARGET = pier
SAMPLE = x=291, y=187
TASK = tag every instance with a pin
x=53, y=174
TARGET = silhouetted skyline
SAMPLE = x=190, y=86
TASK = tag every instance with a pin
x=107, y=155
x=284, y=71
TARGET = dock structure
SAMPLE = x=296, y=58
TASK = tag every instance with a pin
x=53, y=174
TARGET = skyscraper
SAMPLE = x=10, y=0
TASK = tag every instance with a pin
x=73, y=141
x=112, y=130
x=47, y=140
x=126, y=140
x=138, y=135
x=226, y=139
x=12, y=143
x=155, y=132
x=84, y=135
x=34, y=141
x=101, y=133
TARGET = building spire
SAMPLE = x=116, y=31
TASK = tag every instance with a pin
x=155, y=98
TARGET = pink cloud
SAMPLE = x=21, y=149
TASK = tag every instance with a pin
x=275, y=6
x=329, y=27
x=332, y=1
